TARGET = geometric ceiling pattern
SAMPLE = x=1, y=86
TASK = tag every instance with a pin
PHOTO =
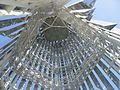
x=54, y=46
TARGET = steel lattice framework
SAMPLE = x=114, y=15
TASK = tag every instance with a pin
x=55, y=47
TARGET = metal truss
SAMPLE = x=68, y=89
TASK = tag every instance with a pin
x=81, y=56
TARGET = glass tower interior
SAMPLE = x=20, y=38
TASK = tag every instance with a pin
x=54, y=46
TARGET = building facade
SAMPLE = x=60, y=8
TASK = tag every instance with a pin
x=54, y=45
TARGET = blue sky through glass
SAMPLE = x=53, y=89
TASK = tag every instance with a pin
x=106, y=10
